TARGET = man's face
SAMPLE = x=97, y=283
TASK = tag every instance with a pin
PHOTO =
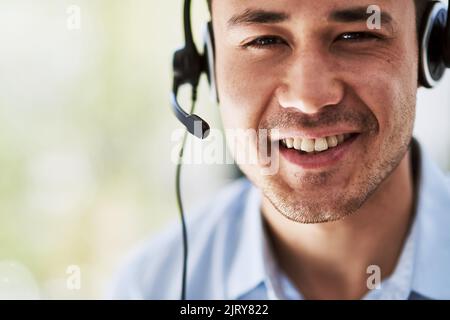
x=314, y=71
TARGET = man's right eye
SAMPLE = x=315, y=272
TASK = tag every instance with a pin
x=265, y=42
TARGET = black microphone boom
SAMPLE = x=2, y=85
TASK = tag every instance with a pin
x=193, y=123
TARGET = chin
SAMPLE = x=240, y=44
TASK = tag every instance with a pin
x=314, y=211
x=319, y=205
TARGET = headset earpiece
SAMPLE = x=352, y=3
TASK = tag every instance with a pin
x=434, y=46
x=447, y=41
x=187, y=66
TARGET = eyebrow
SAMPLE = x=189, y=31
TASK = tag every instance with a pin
x=257, y=16
x=357, y=14
x=261, y=16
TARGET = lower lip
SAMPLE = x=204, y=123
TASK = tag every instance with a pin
x=319, y=160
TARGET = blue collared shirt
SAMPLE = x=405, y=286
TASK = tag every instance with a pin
x=230, y=256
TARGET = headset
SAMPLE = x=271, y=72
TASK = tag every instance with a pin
x=189, y=65
x=434, y=44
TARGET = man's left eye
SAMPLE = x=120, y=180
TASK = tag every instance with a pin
x=358, y=36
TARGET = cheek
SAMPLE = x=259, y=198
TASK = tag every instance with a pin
x=388, y=89
x=245, y=90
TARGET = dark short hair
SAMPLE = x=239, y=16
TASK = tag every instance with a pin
x=421, y=6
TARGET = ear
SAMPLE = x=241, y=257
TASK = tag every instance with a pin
x=433, y=42
x=209, y=54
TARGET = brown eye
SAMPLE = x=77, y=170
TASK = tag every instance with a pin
x=358, y=36
x=265, y=42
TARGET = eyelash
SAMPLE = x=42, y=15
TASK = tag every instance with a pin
x=261, y=42
x=362, y=36
x=258, y=45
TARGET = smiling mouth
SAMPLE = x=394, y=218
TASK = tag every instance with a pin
x=318, y=153
x=316, y=146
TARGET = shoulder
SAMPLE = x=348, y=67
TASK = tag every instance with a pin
x=448, y=180
x=432, y=222
x=154, y=269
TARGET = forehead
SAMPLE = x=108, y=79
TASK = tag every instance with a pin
x=318, y=10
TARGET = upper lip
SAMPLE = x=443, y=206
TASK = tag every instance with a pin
x=280, y=134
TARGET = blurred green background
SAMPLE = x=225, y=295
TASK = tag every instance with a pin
x=85, y=138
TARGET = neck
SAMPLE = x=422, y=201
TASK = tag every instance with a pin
x=334, y=265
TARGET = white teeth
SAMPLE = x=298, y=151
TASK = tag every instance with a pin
x=297, y=143
x=317, y=145
x=332, y=141
x=290, y=143
x=321, y=144
x=307, y=145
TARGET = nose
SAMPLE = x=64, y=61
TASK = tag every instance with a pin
x=310, y=84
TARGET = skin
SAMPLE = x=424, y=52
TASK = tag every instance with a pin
x=326, y=225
